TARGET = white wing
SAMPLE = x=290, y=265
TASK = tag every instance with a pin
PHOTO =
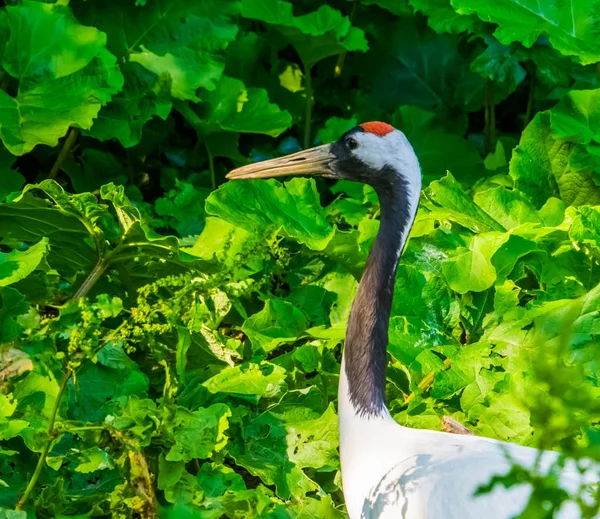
x=441, y=481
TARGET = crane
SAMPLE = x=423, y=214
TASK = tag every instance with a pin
x=390, y=471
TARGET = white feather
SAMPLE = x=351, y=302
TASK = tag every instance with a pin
x=394, y=472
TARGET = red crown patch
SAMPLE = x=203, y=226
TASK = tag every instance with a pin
x=378, y=128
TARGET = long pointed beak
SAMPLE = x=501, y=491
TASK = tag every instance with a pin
x=315, y=161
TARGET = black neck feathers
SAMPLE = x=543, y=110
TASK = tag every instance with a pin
x=365, y=351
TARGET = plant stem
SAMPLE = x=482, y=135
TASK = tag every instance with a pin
x=93, y=277
x=84, y=428
x=64, y=152
x=529, y=110
x=51, y=436
x=309, y=103
x=339, y=65
x=211, y=166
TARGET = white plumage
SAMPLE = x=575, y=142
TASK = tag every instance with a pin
x=394, y=472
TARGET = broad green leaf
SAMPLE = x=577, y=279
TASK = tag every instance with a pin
x=397, y=7
x=98, y=387
x=93, y=459
x=69, y=222
x=65, y=75
x=443, y=18
x=17, y=265
x=198, y=434
x=586, y=225
x=279, y=322
x=169, y=48
x=544, y=165
x=172, y=38
x=183, y=208
x=509, y=253
x=135, y=417
x=334, y=128
x=508, y=208
x=324, y=508
x=144, y=96
x=500, y=64
x=139, y=248
x=576, y=118
x=264, y=380
x=452, y=203
x=315, y=36
x=293, y=207
x=471, y=367
x=265, y=455
x=12, y=306
x=9, y=426
x=472, y=270
x=568, y=25
x=314, y=443
x=231, y=107
x=216, y=479
x=10, y=180
x=82, y=231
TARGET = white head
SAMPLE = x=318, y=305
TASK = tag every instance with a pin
x=374, y=153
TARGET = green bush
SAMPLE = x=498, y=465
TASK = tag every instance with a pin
x=171, y=342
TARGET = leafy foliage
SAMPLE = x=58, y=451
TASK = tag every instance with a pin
x=171, y=343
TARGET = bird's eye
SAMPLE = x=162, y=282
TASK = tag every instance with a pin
x=351, y=143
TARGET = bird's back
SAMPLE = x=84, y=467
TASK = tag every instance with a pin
x=437, y=475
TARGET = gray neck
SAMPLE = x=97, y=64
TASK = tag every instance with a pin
x=365, y=351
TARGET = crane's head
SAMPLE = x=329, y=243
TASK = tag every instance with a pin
x=374, y=153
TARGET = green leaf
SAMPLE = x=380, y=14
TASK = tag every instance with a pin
x=182, y=41
x=500, y=64
x=576, y=118
x=544, y=165
x=10, y=180
x=12, y=306
x=183, y=205
x=279, y=322
x=334, y=128
x=59, y=87
x=264, y=454
x=441, y=17
x=144, y=96
x=568, y=25
x=16, y=265
x=98, y=388
x=586, y=225
x=69, y=222
x=198, y=434
x=472, y=270
x=264, y=380
x=293, y=207
x=315, y=36
x=509, y=208
x=454, y=204
x=93, y=459
x=234, y=108
x=397, y=7
x=314, y=443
